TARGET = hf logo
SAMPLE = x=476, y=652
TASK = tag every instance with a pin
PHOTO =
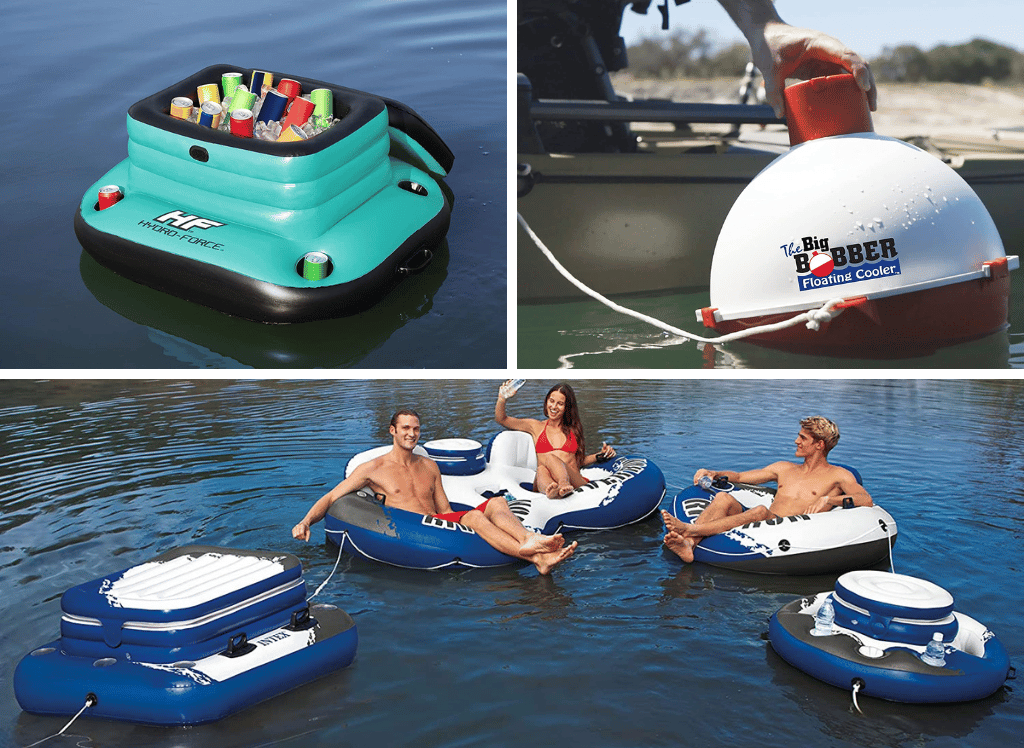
x=181, y=221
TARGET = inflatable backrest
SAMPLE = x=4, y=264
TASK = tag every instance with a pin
x=371, y=454
x=513, y=448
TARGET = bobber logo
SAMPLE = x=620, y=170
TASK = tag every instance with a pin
x=818, y=264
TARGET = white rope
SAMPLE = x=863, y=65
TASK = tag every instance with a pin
x=324, y=583
x=856, y=687
x=813, y=318
x=89, y=701
x=888, y=537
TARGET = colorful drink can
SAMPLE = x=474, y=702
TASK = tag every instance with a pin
x=241, y=123
x=260, y=79
x=290, y=88
x=109, y=195
x=181, y=107
x=210, y=113
x=208, y=92
x=243, y=100
x=229, y=82
x=315, y=266
x=323, y=100
x=291, y=133
x=299, y=112
x=273, y=107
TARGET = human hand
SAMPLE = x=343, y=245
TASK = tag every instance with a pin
x=786, y=51
x=701, y=473
x=506, y=391
x=301, y=531
x=606, y=453
x=822, y=504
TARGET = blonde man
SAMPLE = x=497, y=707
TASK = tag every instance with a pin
x=808, y=488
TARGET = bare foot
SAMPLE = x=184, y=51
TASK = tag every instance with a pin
x=552, y=490
x=672, y=524
x=538, y=543
x=681, y=546
x=545, y=562
x=565, y=489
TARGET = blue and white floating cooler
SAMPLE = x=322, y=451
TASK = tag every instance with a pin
x=882, y=624
x=191, y=636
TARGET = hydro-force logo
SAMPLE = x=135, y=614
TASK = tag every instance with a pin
x=179, y=220
x=819, y=265
x=177, y=225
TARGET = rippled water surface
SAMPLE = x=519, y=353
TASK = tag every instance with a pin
x=77, y=73
x=588, y=335
x=621, y=646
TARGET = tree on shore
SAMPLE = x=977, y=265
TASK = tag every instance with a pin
x=694, y=54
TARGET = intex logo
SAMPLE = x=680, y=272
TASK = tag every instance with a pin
x=179, y=220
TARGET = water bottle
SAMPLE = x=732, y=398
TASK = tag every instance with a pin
x=705, y=482
x=823, y=618
x=935, y=652
x=512, y=387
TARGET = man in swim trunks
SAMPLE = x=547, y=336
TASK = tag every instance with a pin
x=412, y=482
x=815, y=486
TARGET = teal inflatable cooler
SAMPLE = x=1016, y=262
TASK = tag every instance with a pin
x=227, y=221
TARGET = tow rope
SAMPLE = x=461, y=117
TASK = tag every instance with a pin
x=813, y=318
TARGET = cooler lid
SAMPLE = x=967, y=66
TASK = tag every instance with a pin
x=183, y=584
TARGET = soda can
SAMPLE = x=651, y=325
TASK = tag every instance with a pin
x=259, y=80
x=181, y=107
x=243, y=100
x=323, y=99
x=210, y=113
x=273, y=107
x=299, y=113
x=291, y=133
x=208, y=92
x=229, y=82
x=109, y=195
x=315, y=266
x=241, y=123
x=290, y=88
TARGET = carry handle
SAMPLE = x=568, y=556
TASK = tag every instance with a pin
x=411, y=267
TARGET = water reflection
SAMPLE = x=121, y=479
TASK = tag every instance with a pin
x=199, y=336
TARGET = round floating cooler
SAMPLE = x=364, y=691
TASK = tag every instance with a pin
x=457, y=456
x=847, y=214
x=893, y=607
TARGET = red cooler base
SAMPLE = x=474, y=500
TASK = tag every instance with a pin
x=911, y=324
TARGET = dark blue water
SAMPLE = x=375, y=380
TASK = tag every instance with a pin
x=73, y=76
x=621, y=646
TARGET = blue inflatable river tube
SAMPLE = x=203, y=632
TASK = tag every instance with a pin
x=806, y=544
x=266, y=230
x=620, y=492
x=876, y=643
x=191, y=636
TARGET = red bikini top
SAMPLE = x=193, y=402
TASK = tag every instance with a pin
x=544, y=446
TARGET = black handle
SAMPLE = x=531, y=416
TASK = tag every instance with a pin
x=411, y=267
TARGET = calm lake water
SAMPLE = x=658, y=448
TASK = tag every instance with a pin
x=622, y=646
x=78, y=73
x=588, y=335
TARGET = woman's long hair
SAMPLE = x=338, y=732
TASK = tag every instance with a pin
x=570, y=418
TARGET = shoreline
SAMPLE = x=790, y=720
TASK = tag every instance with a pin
x=904, y=109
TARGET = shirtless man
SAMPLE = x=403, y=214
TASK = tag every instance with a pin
x=411, y=482
x=815, y=486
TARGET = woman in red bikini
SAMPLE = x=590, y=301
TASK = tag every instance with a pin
x=558, y=441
